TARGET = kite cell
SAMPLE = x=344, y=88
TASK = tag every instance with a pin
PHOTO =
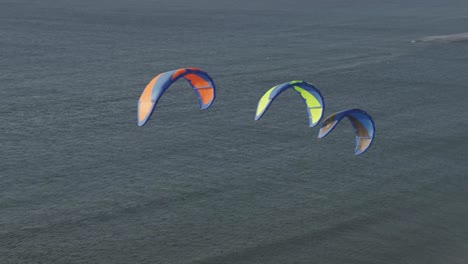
x=362, y=122
x=200, y=81
x=311, y=96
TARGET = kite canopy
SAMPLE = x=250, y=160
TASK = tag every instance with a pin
x=200, y=81
x=362, y=122
x=311, y=96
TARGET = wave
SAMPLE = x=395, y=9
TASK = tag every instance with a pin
x=444, y=38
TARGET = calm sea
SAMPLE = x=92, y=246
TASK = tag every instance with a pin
x=80, y=182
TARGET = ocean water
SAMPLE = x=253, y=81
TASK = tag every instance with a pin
x=80, y=182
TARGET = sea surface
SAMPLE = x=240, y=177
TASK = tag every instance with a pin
x=80, y=182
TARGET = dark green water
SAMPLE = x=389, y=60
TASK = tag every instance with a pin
x=80, y=182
